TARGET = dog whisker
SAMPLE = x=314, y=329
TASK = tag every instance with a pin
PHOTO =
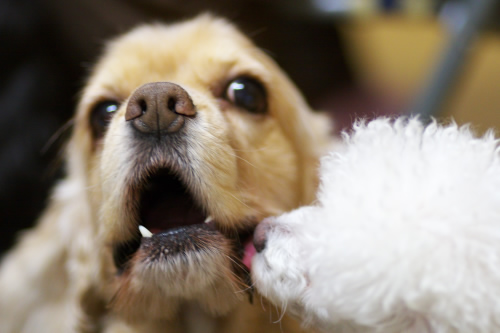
x=257, y=32
x=280, y=312
x=57, y=134
x=255, y=150
x=239, y=157
x=91, y=187
x=283, y=310
x=249, y=288
x=263, y=306
x=243, y=150
x=239, y=200
x=235, y=262
x=244, y=160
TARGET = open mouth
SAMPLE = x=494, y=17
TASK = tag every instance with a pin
x=171, y=223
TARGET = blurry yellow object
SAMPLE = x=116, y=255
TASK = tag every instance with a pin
x=419, y=8
x=396, y=55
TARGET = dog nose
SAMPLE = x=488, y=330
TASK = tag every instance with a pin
x=159, y=107
x=260, y=235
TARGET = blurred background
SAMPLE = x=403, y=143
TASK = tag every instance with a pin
x=350, y=58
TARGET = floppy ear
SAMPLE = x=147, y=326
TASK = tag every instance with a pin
x=309, y=132
x=44, y=265
x=319, y=128
x=33, y=269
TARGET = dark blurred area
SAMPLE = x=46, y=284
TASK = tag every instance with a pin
x=333, y=52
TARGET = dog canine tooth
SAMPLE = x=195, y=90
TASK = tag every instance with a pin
x=209, y=219
x=145, y=232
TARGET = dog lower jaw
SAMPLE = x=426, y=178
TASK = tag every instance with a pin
x=141, y=298
x=190, y=264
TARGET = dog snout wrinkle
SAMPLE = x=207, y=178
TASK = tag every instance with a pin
x=159, y=107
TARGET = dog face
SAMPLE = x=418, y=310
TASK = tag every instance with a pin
x=193, y=133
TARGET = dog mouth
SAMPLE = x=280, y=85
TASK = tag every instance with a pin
x=166, y=204
x=172, y=223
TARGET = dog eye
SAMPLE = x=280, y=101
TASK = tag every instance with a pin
x=248, y=94
x=101, y=116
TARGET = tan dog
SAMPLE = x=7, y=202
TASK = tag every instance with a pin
x=192, y=132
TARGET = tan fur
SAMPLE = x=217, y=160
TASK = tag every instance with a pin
x=61, y=278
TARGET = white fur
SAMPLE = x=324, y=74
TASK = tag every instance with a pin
x=404, y=237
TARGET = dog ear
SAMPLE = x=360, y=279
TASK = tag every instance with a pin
x=320, y=128
x=39, y=262
x=310, y=133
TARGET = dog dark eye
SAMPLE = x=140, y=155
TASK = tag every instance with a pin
x=101, y=116
x=247, y=93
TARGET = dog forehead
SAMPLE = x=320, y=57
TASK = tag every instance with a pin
x=195, y=52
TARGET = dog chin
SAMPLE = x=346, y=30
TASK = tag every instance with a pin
x=176, y=266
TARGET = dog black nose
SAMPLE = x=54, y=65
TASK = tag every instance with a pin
x=159, y=107
x=260, y=235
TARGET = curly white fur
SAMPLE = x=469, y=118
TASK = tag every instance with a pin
x=404, y=237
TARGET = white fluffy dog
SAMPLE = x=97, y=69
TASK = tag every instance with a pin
x=404, y=237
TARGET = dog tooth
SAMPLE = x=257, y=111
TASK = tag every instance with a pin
x=145, y=232
x=208, y=219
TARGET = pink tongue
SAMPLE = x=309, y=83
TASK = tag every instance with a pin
x=249, y=253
